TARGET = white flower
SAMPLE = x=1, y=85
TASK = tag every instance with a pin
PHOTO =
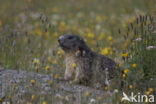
x=115, y=91
x=138, y=39
x=92, y=101
x=150, y=47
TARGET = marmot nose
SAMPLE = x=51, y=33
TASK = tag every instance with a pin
x=60, y=39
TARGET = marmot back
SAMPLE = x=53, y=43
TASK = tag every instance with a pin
x=89, y=68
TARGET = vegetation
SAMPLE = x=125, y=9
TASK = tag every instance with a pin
x=123, y=30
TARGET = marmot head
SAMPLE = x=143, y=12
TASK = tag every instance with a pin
x=72, y=43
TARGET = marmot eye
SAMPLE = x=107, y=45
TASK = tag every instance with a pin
x=70, y=37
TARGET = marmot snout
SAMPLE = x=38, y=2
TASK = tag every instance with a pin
x=90, y=67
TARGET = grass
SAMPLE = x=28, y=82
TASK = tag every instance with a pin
x=29, y=30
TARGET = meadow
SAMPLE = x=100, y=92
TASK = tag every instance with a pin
x=123, y=30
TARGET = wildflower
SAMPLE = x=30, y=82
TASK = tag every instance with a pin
x=86, y=94
x=130, y=86
x=92, y=101
x=49, y=59
x=62, y=97
x=104, y=51
x=91, y=35
x=32, y=97
x=56, y=76
x=77, y=52
x=32, y=81
x=106, y=87
x=50, y=82
x=147, y=92
x=126, y=71
x=99, y=98
x=119, y=65
x=58, y=52
x=125, y=54
x=28, y=102
x=110, y=38
x=36, y=61
x=115, y=91
x=134, y=65
x=55, y=9
x=75, y=79
x=124, y=75
x=38, y=32
x=47, y=67
x=74, y=65
x=138, y=39
x=28, y=86
x=150, y=89
x=44, y=102
x=150, y=47
x=0, y=100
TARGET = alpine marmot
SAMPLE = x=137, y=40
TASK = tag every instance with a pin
x=84, y=66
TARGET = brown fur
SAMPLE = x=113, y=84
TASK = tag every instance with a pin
x=91, y=68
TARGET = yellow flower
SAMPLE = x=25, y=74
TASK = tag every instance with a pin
x=147, y=92
x=58, y=52
x=36, y=61
x=74, y=65
x=86, y=94
x=39, y=32
x=32, y=97
x=124, y=75
x=47, y=67
x=91, y=35
x=150, y=89
x=125, y=54
x=106, y=87
x=130, y=86
x=99, y=98
x=32, y=81
x=56, y=76
x=55, y=9
x=49, y=59
x=50, y=82
x=28, y=102
x=110, y=38
x=62, y=97
x=44, y=102
x=0, y=99
x=104, y=51
x=126, y=71
x=134, y=65
x=28, y=86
